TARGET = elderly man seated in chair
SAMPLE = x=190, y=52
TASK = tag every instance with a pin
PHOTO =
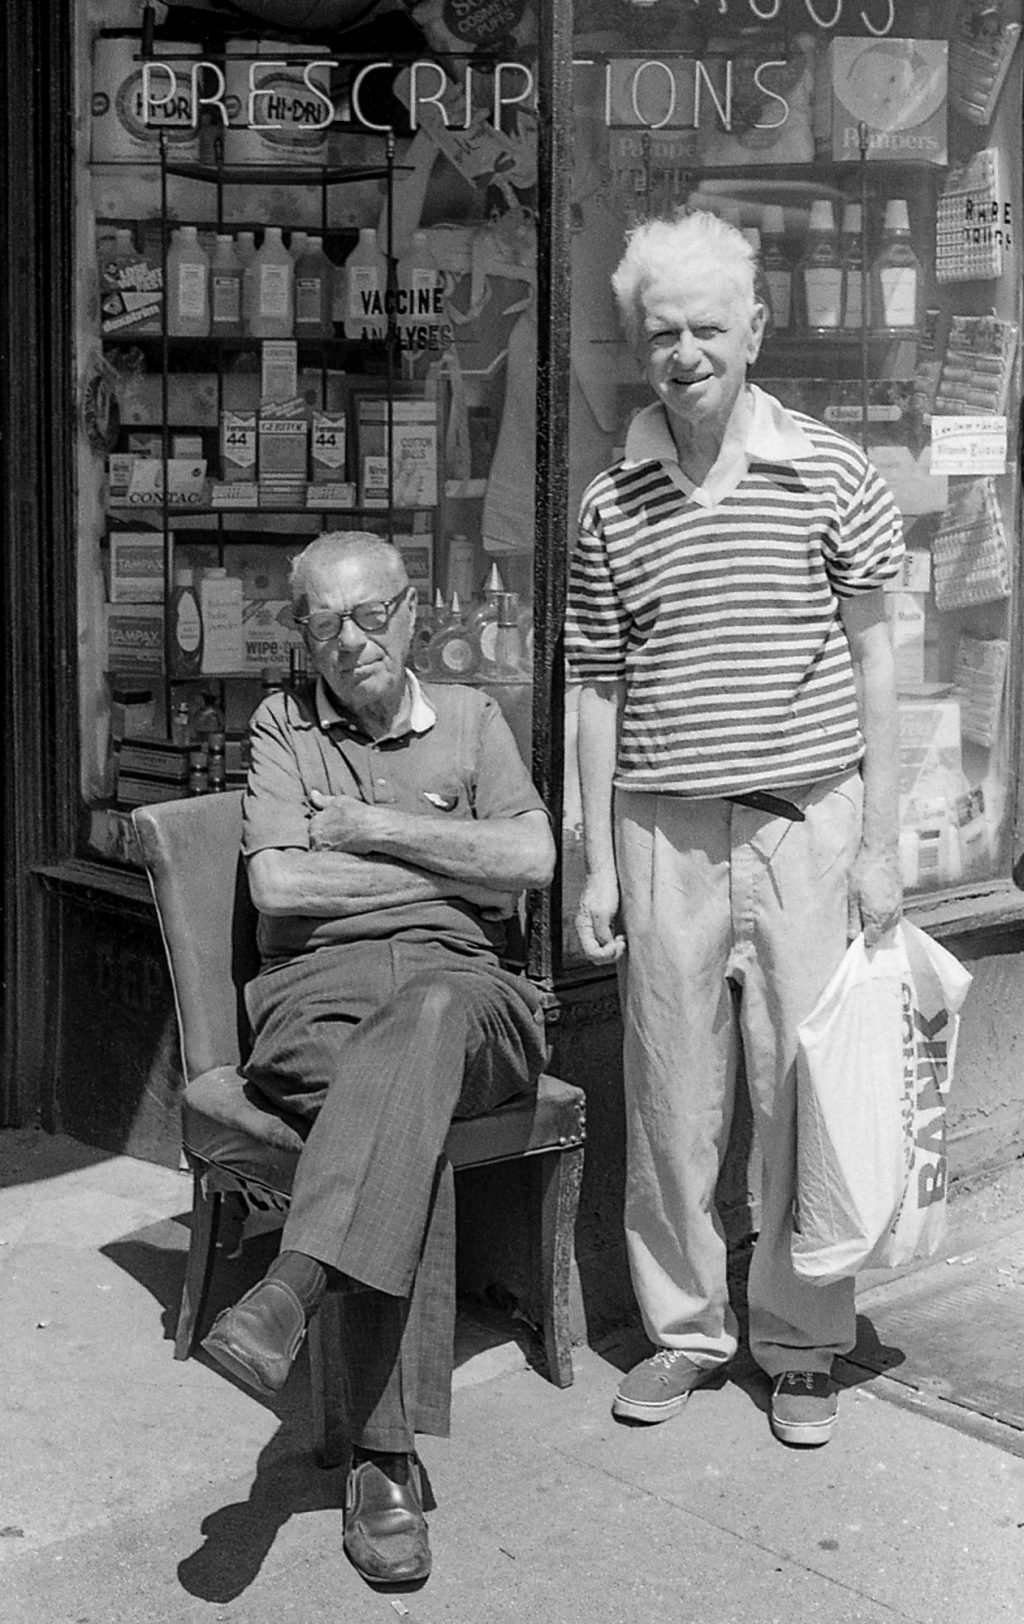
x=389, y=828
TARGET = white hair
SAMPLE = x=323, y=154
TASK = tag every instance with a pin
x=657, y=248
x=332, y=547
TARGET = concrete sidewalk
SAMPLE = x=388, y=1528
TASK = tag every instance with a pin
x=137, y=1490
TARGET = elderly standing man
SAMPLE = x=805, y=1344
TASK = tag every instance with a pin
x=738, y=756
x=388, y=830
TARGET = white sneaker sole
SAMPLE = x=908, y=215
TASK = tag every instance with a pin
x=804, y=1434
x=632, y=1409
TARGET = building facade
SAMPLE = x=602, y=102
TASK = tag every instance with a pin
x=270, y=269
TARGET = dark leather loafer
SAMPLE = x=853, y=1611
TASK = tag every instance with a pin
x=258, y=1338
x=385, y=1529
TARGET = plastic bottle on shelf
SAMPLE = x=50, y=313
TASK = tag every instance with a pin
x=186, y=625
x=208, y=720
x=819, y=276
x=366, y=274
x=429, y=618
x=188, y=285
x=775, y=264
x=420, y=309
x=298, y=242
x=852, y=256
x=897, y=280
x=245, y=248
x=225, y=289
x=181, y=723
x=313, y=292
x=272, y=310
x=504, y=661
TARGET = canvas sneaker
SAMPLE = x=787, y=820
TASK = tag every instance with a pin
x=658, y=1387
x=804, y=1407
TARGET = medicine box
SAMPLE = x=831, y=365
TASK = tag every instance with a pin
x=327, y=447
x=931, y=764
x=898, y=89
x=238, y=445
x=136, y=566
x=270, y=634
x=135, y=637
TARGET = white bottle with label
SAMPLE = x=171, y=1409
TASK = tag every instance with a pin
x=273, y=288
x=188, y=285
x=819, y=276
x=420, y=309
x=897, y=280
x=186, y=626
x=225, y=290
x=313, y=278
x=220, y=605
x=776, y=267
x=852, y=255
x=366, y=275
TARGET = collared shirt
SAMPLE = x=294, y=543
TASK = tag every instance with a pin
x=455, y=757
x=718, y=605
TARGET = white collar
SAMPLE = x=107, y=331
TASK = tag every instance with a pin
x=773, y=435
x=422, y=714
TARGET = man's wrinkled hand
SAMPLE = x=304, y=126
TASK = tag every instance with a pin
x=876, y=894
x=596, y=918
x=341, y=823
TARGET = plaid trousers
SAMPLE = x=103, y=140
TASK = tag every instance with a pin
x=380, y=1044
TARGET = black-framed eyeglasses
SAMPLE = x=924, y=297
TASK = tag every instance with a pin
x=324, y=625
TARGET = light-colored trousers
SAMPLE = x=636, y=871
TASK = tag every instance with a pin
x=717, y=897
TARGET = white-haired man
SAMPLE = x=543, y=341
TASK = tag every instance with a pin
x=388, y=829
x=738, y=754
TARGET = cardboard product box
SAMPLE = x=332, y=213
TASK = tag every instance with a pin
x=186, y=481
x=134, y=790
x=131, y=295
x=899, y=89
x=136, y=566
x=418, y=553
x=135, y=637
x=155, y=758
x=279, y=370
x=283, y=441
x=905, y=612
x=269, y=633
x=931, y=762
x=238, y=446
x=413, y=446
x=327, y=447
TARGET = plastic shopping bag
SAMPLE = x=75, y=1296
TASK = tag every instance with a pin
x=874, y=1067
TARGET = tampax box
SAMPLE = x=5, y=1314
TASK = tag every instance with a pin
x=135, y=637
x=136, y=566
x=898, y=89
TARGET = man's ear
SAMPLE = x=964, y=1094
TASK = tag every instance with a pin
x=758, y=322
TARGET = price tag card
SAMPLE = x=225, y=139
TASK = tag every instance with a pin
x=969, y=445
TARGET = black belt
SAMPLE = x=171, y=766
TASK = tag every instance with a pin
x=763, y=802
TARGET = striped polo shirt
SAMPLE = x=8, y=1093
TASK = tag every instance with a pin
x=719, y=608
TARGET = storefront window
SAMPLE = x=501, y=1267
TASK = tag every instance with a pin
x=308, y=301
x=878, y=135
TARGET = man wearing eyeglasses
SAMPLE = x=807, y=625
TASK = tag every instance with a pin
x=389, y=828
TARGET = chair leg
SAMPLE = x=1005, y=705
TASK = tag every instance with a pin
x=326, y=1382
x=560, y=1174
x=202, y=1246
